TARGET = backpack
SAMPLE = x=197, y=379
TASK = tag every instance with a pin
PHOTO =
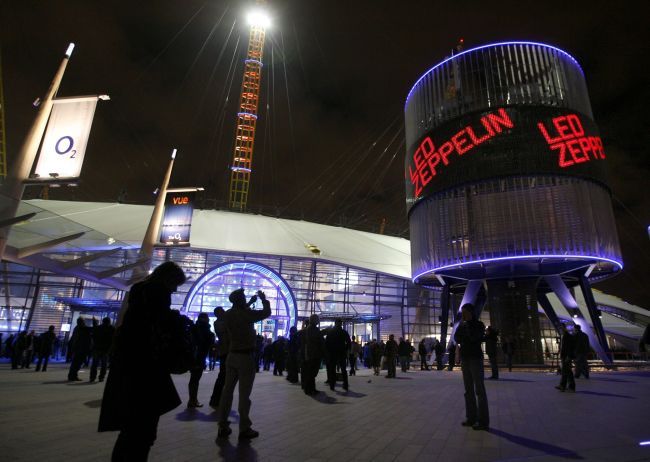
x=174, y=343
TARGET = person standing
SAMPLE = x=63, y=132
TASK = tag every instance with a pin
x=581, y=351
x=508, y=348
x=30, y=345
x=240, y=366
x=45, y=348
x=440, y=355
x=302, y=362
x=469, y=335
x=452, y=356
x=375, y=356
x=80, y=346
x=203, y=340
x=337, y=345
x=222, y=354
x=491, y=336
x=422, y=351
x=135, y=396
x=18, y=350
x=390, y=352
x=292, y=355
x=102, y=341
x=403, y=351
x=314, y=351
x=279, y=355
x=355, y=351
x=567, y=354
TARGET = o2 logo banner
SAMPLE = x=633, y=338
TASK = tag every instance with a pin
x=64, y=145
x=504, y=142
x=177, y=220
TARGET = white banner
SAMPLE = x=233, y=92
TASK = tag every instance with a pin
x=64, y=144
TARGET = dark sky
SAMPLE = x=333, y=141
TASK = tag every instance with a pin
x=330, y=145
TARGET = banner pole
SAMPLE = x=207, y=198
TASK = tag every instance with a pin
x=12, y=191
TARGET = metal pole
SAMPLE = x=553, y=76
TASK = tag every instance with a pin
x=12, y=191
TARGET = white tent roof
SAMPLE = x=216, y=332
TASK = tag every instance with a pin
x=240, y=232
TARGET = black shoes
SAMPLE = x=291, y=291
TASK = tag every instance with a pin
x=467, y=423
x=224, y=432
x=248, y=434
x=478, y=426
x=194, y=404
x=557, y=387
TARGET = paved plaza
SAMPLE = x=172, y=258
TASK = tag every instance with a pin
x=414, y=418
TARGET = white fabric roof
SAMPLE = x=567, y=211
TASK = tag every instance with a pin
x=240, y=232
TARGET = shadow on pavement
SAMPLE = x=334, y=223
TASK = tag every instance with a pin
x=96, y=403
x=546, y=448
x=243, y=452
x=189, y=414
x=598, y=393
x=510, y=380
x=322, y=397
x=351, y=394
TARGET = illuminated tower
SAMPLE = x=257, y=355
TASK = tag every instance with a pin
x=242, y=160
x=506, y=186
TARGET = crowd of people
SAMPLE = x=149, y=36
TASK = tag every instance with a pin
x=147, y=333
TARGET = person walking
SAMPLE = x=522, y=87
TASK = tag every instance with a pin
x=80, y=343
x=469, y=335
x=581, y=352
x=45, y=349
x=240, y=366
x=135, y=396
x=102, y=341
x=422, y=351
x=567, y=354
x=337, y=345
x=390, y=352
x=491, y=336
x=222, y=354
x=203, y=340
x=314, y=351
x=508, y=348
x=355, y=352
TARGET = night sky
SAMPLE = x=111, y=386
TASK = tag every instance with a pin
x=330, y=138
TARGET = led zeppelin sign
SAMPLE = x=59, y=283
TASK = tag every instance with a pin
x=504, y=142
x=177, y=221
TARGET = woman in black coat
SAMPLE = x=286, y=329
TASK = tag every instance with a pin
x=139, y=388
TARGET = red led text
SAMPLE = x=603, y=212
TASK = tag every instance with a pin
x=180, y=200
x=428, y=159
x=566, y=135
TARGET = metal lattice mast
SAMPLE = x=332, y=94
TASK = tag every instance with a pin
x=247, y=118
x=3, y=141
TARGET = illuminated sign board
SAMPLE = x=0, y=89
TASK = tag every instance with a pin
x=64, y=144
x=177, y=221
x=504, y=142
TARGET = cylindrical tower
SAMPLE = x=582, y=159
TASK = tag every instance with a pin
x=505, y=171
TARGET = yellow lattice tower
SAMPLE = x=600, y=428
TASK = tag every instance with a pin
x=3, y=141
x=247, y=116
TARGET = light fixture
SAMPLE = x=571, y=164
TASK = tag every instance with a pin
x=258, y=18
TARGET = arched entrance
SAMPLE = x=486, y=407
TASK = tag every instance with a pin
x=212, y=290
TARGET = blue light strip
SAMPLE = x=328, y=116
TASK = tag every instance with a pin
x=518, y=257
x=245, y=114
x=644, y=443
x=254, y=61
x=488, y=46
x=240, y=169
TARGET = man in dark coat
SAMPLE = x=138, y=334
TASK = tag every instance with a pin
x=314, y=351
x=491, y=336
x=403, y=351
x=279, y=353
x=292, y=355
x=337, y=345
x=390, y=352
x=222, y=354
x=80, y=346
x=508, y=348
x=567, y=354
x=18, y=350
x=422, y=351
x=581, y=351
x=452, y=356
x=240, y=320
x=102, y=341
x=203, y=340
x=469, y=335
x=135, y=396
x=440, y=354
x=45, y=348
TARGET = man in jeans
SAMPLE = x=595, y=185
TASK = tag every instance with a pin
x=240, y=365
x=469, y=335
